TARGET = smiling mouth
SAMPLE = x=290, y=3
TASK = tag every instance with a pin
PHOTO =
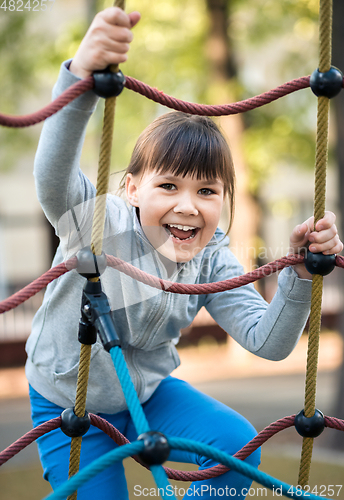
x=181, y=232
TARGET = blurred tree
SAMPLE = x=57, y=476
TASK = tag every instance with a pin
x=223, y=88
x=20, y=47
x=276, y=42
x=212, y=51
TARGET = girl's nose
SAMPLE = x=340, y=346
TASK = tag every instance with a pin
x=185, y=205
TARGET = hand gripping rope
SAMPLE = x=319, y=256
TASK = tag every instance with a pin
x=152, y=448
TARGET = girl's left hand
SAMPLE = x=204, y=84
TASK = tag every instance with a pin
x=324, y=239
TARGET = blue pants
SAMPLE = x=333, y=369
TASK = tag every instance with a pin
x=175, y=409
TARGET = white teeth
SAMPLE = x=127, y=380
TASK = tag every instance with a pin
x=176, y=237
x=182, y=228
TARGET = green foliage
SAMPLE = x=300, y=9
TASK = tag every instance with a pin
x=167, y=53
x=276, y=42
x=19, y=49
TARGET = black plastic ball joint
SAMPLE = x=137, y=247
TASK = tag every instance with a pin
x=74, y=426
x=107, y=83
x=156, y=450
x=90, y=265
x=310, y=427
x=318, y=263
x=327, y=84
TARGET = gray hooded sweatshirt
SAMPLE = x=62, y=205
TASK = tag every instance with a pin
x=147, y=320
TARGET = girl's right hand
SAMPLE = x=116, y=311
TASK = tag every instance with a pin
x=106, y=42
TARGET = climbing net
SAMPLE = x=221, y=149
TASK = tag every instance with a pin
x=152, y=448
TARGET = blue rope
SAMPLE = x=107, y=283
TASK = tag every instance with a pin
x=113, y=456
x=131, y=397
x=241, y=467
x=162, y=481
x=159, y=474
x=94, y=468
x=136, y=411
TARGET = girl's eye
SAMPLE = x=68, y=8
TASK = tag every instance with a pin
x=168, y=187
x=206, y=191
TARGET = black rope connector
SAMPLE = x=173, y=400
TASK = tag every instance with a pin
x=107, y=83
x=156, y=450
x=310, y=427
x=318, y=263
x=90, y=265
x=74, y=426
x=327, y=84
x=96, y=311
x=87, y=333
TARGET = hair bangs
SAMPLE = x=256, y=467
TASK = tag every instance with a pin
x=193, y=150
x=184, y=144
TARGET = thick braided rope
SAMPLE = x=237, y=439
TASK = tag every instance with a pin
x=136, y=411
x=242, y=467
x=325, y=40
x=127, y=450
x=117, y=437
x=103, y=176
x=62, y=100
x=29, y=438
x=157, y=96
x=70, y=487
x=79, y=409
x=200, y=475
x=37, y=285
x=22, y=295
x=96, y=246
x=203, y=288
x=131, y=397
x=216, y=110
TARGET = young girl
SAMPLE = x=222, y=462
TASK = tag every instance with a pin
x=178, y=179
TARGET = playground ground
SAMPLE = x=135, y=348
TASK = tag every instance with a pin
x=263, y=391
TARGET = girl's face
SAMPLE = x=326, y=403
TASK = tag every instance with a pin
x=179, y=215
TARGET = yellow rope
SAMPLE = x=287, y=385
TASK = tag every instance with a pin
x=74, y=461
x=96, y=246
x=79, y=409
x=103, y=176
x=311, y=375
x=325, y=38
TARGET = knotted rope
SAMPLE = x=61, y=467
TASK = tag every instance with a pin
x=96, y=246
x=325, y=40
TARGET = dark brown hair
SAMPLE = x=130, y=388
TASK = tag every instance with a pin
x=184, y=144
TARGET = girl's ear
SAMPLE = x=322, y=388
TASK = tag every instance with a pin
x=131, y=189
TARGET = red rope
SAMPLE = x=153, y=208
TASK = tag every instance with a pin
x=220, y=110
x=339, y=261
x=249, y=448
x=165, y=285
x=29, y=438
x=65, y=98
x=117, y=436
x=204, y=288
x=158, y=96
x=37, y=285
x=200, y=475
x=168, y=286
